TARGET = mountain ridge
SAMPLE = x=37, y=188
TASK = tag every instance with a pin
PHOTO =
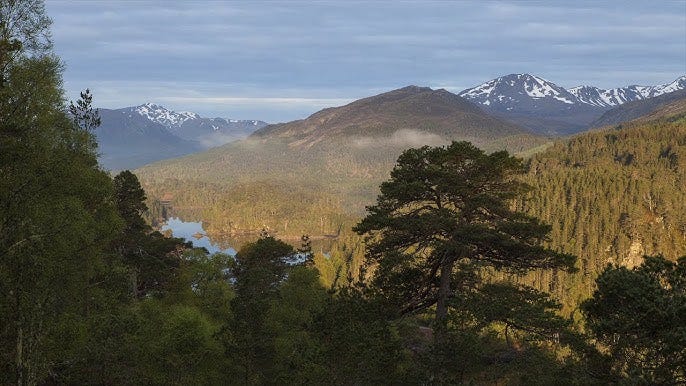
x=620, y=95
x=637, y=109
x=546, y=108
x=192, y=126
x=421, y=109
x=132, y=136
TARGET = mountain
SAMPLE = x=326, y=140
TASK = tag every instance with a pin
x=424, y=111
x=312, y=174
x=133, y=136
x=618, y=96
x=547, y=108
x=535, y=103
x=209, y=132
x=127, y=141
x=638, y=108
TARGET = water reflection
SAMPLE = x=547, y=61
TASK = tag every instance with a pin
x=194, y=232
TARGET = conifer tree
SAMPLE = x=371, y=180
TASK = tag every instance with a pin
x=444, y=210
x=640, y=314
x=153, y=259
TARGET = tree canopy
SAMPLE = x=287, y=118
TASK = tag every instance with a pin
x=446, y=209
x=639, y=314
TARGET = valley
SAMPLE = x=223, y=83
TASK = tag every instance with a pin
x=516, y=232
x=316, y=176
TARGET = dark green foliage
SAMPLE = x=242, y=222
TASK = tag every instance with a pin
x=86, y=118
x=291, y=319
x=359, y=345
x=446, y=208
x=606, y=210
x=639, y=314
x=305, y=249
x=260, y=267
x=286, y=328
x=177, y=347
x=204, y=281
x=56, y=216
x=259, y=271
x=130, y=199
x=516, y=307
x=153, y=260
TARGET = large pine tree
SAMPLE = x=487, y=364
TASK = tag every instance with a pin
x=447, y=211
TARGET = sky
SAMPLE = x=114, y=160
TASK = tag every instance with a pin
x=282, y=60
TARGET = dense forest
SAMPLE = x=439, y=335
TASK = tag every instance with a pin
x=612, y=196
x=90, y=293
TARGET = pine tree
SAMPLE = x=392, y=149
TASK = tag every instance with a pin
x=639, y=315
x=153, y=260
x=447, y=210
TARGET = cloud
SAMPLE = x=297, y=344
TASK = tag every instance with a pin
x=218, y=139
x=257, y=101
x=280, y=61
x=401, y=138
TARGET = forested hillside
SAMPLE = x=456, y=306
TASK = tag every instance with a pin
x=613, y=196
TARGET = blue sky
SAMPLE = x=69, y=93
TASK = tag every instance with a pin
x=279, y=61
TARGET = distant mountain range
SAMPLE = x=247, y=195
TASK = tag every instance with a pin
x=209, y=132
x=547, y=108
x=314, y=176
x=617, y=96
x=507, y=111
x=638, y=108
x=134, y=136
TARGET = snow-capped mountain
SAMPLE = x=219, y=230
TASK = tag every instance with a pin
x=511, y=91
x=191, y=126
x=608, y=98
x=636, y=109
x=133, y=136
x=163, y=116
x=533, y=102
x=547, y=108
x=617, y=96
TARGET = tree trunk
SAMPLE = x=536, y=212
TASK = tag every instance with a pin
x=441, y=322
x=20, y=356
x=134, y=284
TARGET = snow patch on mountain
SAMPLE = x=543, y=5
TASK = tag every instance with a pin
x=163, y=116
x=517, y=91
x=676, y=85
x=174, y=120
x=507, y=92
x=618, y=96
